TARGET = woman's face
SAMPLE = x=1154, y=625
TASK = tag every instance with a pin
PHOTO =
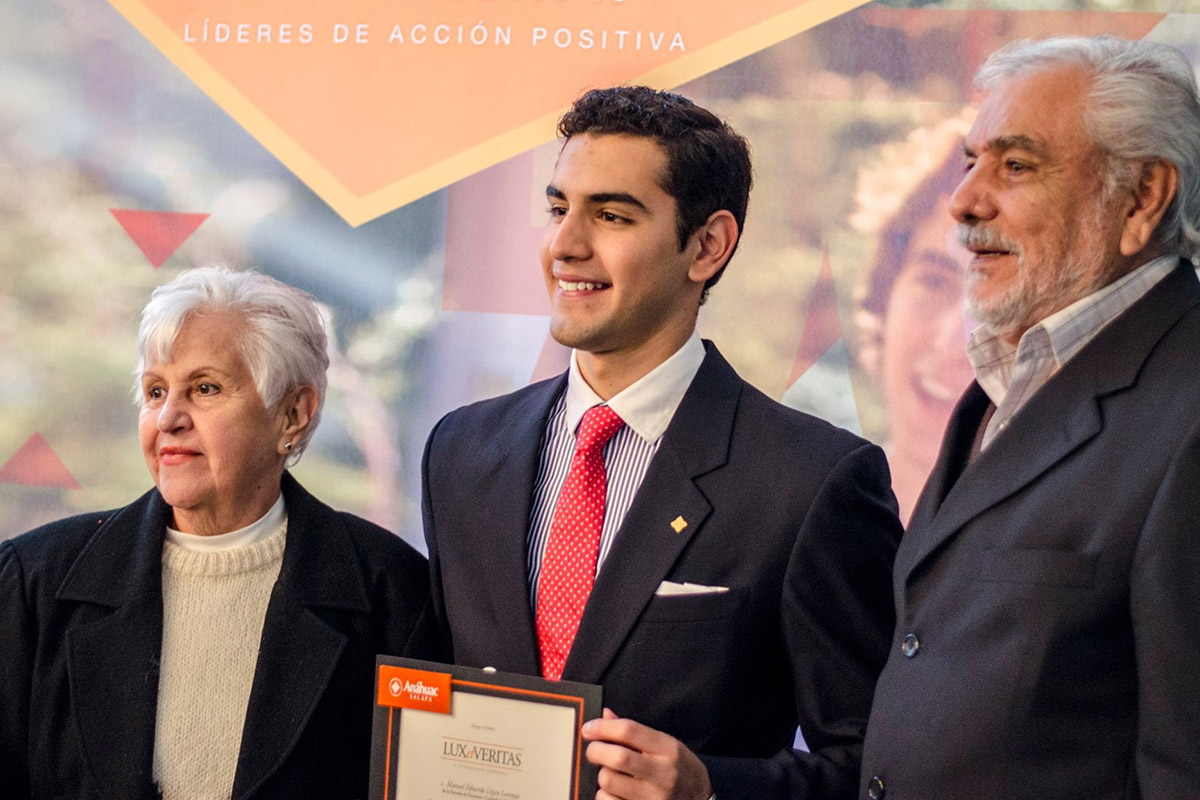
x=924, y=363
x=214, y=452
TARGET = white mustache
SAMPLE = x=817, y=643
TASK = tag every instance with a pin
x=976, y=237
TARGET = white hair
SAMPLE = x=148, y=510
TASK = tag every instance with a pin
x=284, y=343
x=1141, y=106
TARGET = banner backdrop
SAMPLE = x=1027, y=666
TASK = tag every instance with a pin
x=374, y=104
x=391, y=158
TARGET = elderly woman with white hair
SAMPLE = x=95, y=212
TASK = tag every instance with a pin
x=215, y=638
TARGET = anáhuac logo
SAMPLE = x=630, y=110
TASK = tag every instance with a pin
x=417, y=691
x=482, y=753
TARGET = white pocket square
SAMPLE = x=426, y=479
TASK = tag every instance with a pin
x=673, y=589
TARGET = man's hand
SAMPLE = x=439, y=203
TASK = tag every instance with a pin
x=640, y=763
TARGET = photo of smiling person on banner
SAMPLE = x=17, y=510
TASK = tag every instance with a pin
x=909, y=323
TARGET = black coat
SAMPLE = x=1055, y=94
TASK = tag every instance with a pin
x=795, y=517
x=81, y=616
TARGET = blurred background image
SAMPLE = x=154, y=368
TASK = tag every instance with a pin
x=843, y=300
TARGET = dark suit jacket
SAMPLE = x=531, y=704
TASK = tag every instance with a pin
x=1054, y=588
x=81, y=615
x=795, y=516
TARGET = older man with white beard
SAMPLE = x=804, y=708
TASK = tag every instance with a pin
x=1048, y=614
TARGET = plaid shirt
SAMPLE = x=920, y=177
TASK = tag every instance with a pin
x=1011, y=375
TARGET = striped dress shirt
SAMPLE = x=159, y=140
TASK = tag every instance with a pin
x=1011, y=375
x=646, y=407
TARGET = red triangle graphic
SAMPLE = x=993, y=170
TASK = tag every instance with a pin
x=822, y=327
x=553, y=359
x=158, y=234
x=36, y=464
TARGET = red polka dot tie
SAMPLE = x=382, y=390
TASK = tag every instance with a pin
x=569, y=566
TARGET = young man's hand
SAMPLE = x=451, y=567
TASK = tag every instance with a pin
x=640, y=763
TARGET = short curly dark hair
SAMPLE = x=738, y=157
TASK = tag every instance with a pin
x=708, y=162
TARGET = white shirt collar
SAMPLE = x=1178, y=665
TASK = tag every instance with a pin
x=243, y=537
x=1111, y=300
x=646, y=405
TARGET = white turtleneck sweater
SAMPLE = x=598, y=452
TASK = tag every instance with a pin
x=215, y=595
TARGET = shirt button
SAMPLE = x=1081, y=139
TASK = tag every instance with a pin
x=910, y=645
x=875, y=790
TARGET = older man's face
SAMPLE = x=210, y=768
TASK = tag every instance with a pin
x=1029, y=206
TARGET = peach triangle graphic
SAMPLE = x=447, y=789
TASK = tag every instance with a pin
x=158, y=234
x=36, y=464
x=822, y=327
x=374, y=104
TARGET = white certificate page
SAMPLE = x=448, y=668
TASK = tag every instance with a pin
x=487, y=748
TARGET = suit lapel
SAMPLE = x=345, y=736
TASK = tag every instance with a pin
x=299, y=650
x=647, y=546
x=1053, y=424
x=113, y=670
x=509, y=467
x=955, y=451
x=1061, y=416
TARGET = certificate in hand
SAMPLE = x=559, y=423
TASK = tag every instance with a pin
x=444, y=732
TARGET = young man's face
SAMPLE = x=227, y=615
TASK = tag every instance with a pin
x=618, y=283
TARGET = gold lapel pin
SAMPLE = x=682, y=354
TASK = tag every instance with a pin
x=678, y=524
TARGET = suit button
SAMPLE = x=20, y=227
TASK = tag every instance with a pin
x=875, y=790
x=910, y=645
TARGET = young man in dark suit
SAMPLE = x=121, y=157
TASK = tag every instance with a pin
x=1048, y=621
x=721, y=563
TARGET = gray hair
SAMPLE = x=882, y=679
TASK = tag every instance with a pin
x=284, y=344
x=1142, y=105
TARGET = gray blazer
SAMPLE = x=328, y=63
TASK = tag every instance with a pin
x=1048, y=593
